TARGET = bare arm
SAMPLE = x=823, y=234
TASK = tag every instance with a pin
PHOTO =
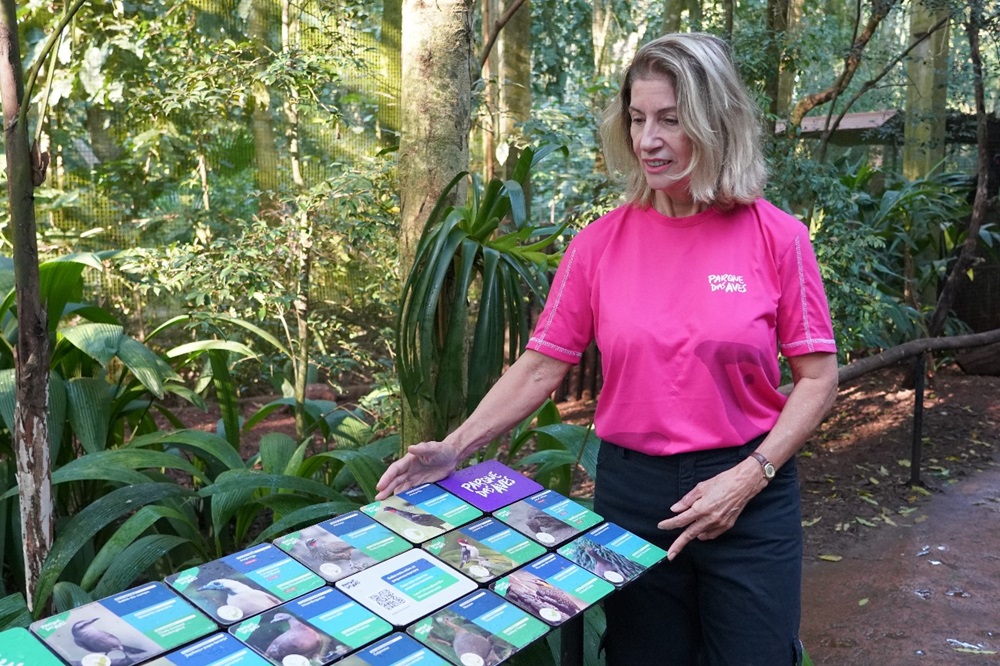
x=518, y=392
x=713, y=505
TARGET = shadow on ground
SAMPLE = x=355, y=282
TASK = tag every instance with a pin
x=924, y=594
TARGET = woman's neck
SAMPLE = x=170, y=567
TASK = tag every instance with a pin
x=674, y=207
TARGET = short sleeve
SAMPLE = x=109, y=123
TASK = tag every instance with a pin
x=804, y=324
x=566, y=325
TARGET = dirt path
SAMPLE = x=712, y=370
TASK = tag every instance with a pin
x=924, y=594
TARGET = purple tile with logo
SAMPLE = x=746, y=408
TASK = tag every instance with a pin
x=489, y=485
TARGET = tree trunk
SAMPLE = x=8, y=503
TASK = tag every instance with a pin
x=31, y=436
x=967, y=257
x=786, y=76
x=927, y=92
x=434, y=142
x=265, y=145
x=600, y=30
x=389, y=45
x=515, y=74
x=777, y=29
x=672, y=15
x=489, y=123
x=301, y=234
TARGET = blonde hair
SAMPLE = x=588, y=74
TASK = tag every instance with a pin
x=714, y=109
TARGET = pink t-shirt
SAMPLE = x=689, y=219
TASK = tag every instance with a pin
x=689, y=314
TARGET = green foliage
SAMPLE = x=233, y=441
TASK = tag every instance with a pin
x=132, y=500
x=465, y=250
x=883, y=243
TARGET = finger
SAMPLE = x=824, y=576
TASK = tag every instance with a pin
x=678, y=545
x=677, y=522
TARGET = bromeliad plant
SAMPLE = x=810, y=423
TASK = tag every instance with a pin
x=485, y=252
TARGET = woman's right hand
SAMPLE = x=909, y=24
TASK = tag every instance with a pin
x=423, y=463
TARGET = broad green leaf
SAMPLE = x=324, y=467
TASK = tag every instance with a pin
x=82, y=527
x=200, y=346
x=277, y=451
x=226, y=393
x=129, y=531
x=251, y=479
x=98, y=341
x=147, y=367
x=347, y=429
x=363, y=467
x=67, y=595
x=309, y=515
x=201, y=444
x=94, y=465
x=89, y=402
x=133, y=562
x=14, y=612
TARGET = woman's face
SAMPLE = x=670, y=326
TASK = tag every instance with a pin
x=659, y=143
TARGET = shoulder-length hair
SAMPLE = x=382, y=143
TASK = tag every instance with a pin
x=714, y=109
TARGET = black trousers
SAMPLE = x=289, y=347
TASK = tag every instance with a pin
x=734, y=600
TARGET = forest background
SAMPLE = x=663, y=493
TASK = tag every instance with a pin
x=230, y=198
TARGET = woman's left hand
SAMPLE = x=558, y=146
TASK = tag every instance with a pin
x=713, y=505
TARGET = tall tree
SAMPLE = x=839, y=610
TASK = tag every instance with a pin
x=434, y=142
x=515, y=76
x=777, y=29
x=265, y=145
x=927, y=91
x=389, y=45
x=967, y=255
x=672, y=15
x=25, y=171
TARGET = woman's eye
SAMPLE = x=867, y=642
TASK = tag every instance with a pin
x=637, y=121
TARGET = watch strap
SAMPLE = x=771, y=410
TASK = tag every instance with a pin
x=766, y=467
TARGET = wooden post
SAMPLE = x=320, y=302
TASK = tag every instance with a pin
x=918, y=419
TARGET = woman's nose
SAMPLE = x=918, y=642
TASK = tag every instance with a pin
x=650, y=136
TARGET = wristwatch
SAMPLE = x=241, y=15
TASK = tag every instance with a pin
x=765, y=465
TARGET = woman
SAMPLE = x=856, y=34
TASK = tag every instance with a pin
x=690, y=290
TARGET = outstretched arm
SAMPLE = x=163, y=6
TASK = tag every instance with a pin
x=713, y=505
x=518, y=392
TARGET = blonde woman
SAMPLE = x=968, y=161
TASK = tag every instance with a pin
x=691, y=290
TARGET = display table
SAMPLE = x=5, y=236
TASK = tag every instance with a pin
x=469, y=572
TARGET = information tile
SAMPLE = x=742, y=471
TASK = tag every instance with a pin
x=552, y=588
x=130, y=627
x=395, y=650
x=407, y=587
x=342, y=546
x=246, y=583
x=548, y=517
x=216, y=650
x=489, y=485
x=313, y=630
x=422, y=513
x=20, y=648
x=485, y=549
x=480, y=629
x=613, y=553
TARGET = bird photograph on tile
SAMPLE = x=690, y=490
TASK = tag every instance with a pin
x=541, y=598
x=540, y=526
x=409, y=520
x=472, y=557
x=281, y=635
x=232, y=600
x=462, y=642
x=96, y=635
x=601, y=560
x=332, y=557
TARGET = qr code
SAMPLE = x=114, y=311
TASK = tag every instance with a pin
x=388, y=599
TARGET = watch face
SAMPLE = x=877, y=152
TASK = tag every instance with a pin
x=769, y=470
